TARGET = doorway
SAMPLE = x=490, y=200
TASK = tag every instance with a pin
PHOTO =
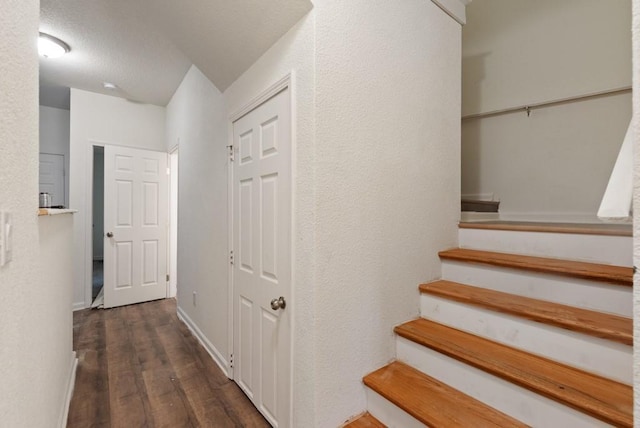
x=129, y=234
x=97, y=277
x=260, y=186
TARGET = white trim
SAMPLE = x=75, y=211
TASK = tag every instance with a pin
x=230, y=312
x=550, y=217
x=78, y=306
x=213, y=352
x=293, y=105
x=479, y=196
x=454, y=8
x=88, y=223
x=175, y=150
x=64, y=414
x=264, y=96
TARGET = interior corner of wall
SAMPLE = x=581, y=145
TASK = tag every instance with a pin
x=454, y=8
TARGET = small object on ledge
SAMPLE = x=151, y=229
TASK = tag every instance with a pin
x=45, y=200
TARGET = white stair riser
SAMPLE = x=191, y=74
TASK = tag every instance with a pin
x=603, y=357
x=615, y=250
x=388, y=413
x=517, y=402
x=575, y=292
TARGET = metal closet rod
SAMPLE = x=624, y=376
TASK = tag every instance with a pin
x=529, y=107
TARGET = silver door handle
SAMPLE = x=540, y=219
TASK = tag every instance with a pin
x=278, y=303
x=109, y=234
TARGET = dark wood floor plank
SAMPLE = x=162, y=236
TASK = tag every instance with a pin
x=140, y=366
x=91, y=377
x=169, y=404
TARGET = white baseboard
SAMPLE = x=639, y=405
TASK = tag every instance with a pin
x=78, y=306
x=64, y=414
x=213, y=352
x=479, y=196
x=545, y=217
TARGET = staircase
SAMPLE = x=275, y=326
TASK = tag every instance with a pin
x=530, y=326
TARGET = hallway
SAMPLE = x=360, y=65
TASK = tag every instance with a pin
x=139, y=366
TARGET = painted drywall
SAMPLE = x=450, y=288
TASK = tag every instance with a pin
x=357, y=268
x=36, y=300
x=522, y=52
x=54, y=137
x=636, y=205
x=98, y=119
x=387, y=180
x=558, y=160
x=196, y=120
x=294, y=53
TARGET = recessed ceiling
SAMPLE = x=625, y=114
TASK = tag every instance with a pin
x=145, y=47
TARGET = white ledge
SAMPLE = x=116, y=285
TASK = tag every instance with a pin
x=454, y=8
x=55, y=211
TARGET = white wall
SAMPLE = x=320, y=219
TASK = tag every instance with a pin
x=35, y=306
x=636, y=206
x=387, y=171
x=101, y=119
x=54, y=138
x=366, y=138
x=522, y=52
x=558, y=160
x=196, y=120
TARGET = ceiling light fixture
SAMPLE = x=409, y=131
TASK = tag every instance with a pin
x=110, y=86
x=51, y=47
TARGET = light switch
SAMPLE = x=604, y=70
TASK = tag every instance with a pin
x=6, y=238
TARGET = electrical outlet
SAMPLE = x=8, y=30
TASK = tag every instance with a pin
x=194, y=298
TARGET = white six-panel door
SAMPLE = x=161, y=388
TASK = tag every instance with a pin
x=262, y=256
x=135, y=225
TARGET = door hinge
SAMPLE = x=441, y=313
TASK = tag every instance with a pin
x=167, y=277
x=231, y=360
x=231, y=257
x=230, y=147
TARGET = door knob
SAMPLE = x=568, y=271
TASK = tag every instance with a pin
x=278, y=303
x=109, y=234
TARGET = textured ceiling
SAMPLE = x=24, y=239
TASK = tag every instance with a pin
x=146, y=46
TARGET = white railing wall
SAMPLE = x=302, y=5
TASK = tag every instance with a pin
x=616, y=202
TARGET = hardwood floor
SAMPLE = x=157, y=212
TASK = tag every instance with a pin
x=139, y=366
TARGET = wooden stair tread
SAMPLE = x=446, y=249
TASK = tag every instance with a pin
x=573, y=228
x=364, y=421
x=433, y=402
x=602, y=398
x=592, y=271
x=597, y=324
